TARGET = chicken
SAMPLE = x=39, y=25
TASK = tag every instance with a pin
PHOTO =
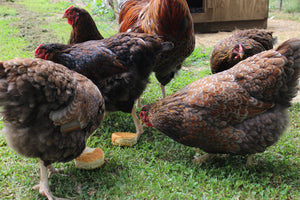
x=83, y=25
x=239, y=46
x=242, y=110
x=48, y=111
x=119, y=65
x=171, y=20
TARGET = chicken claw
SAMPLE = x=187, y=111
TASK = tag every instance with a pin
x=203, y=158
x=43, y=186
x=250, y=161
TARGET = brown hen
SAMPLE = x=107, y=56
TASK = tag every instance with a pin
x=83, y=25
x=242, y=110
x=239, y=46
x=169, y=19
x=48, y=111
x=120, y=66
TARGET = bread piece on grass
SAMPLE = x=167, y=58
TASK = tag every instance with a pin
x=124, y=139
x=91, y=158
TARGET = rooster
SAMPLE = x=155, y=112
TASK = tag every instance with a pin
x=169, y=19
x=119, y=65
x=239, y=46
x=48, y=111
x=242, y=110
x=83, y=25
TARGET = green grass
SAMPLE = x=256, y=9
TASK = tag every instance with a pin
x=45, y=7
x=157, y=167
x=288, y=6
x=290, y=9
x=7, y=11
x=10, y=44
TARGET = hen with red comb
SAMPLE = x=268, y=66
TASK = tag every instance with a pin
x=239, y=46
x=242, y=110
x=84, y=27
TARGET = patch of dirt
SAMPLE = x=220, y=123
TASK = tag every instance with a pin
x=29, y=23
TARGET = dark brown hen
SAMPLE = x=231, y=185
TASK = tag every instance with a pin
x=239, y=46
x=172, y=21
x=120, y=66
x=83, y=25
x=48, y=111
x=242, y=110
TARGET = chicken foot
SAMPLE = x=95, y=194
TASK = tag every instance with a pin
x=203, y=158
x=43, y=186
x=250, y=161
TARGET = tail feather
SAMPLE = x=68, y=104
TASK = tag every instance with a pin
x=291, y=50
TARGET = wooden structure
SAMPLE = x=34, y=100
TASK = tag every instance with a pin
x=227, y=15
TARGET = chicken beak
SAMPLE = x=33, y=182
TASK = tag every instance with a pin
x=241, y=51
x=241, y=55
x=64, y=16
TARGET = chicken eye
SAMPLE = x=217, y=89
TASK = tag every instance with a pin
x=142, y=114
x=73, y=14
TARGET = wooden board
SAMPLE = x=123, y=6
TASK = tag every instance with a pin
x=232, y=10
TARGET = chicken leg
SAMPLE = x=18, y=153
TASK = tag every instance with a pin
x=43, y=186
x=163, y=90
x=139, y=102
x=138, y=125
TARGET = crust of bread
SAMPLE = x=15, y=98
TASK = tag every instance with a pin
x=91, y=158
x=124, y=139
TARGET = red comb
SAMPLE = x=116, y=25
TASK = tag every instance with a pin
x=68, y=9
x=35, y=52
